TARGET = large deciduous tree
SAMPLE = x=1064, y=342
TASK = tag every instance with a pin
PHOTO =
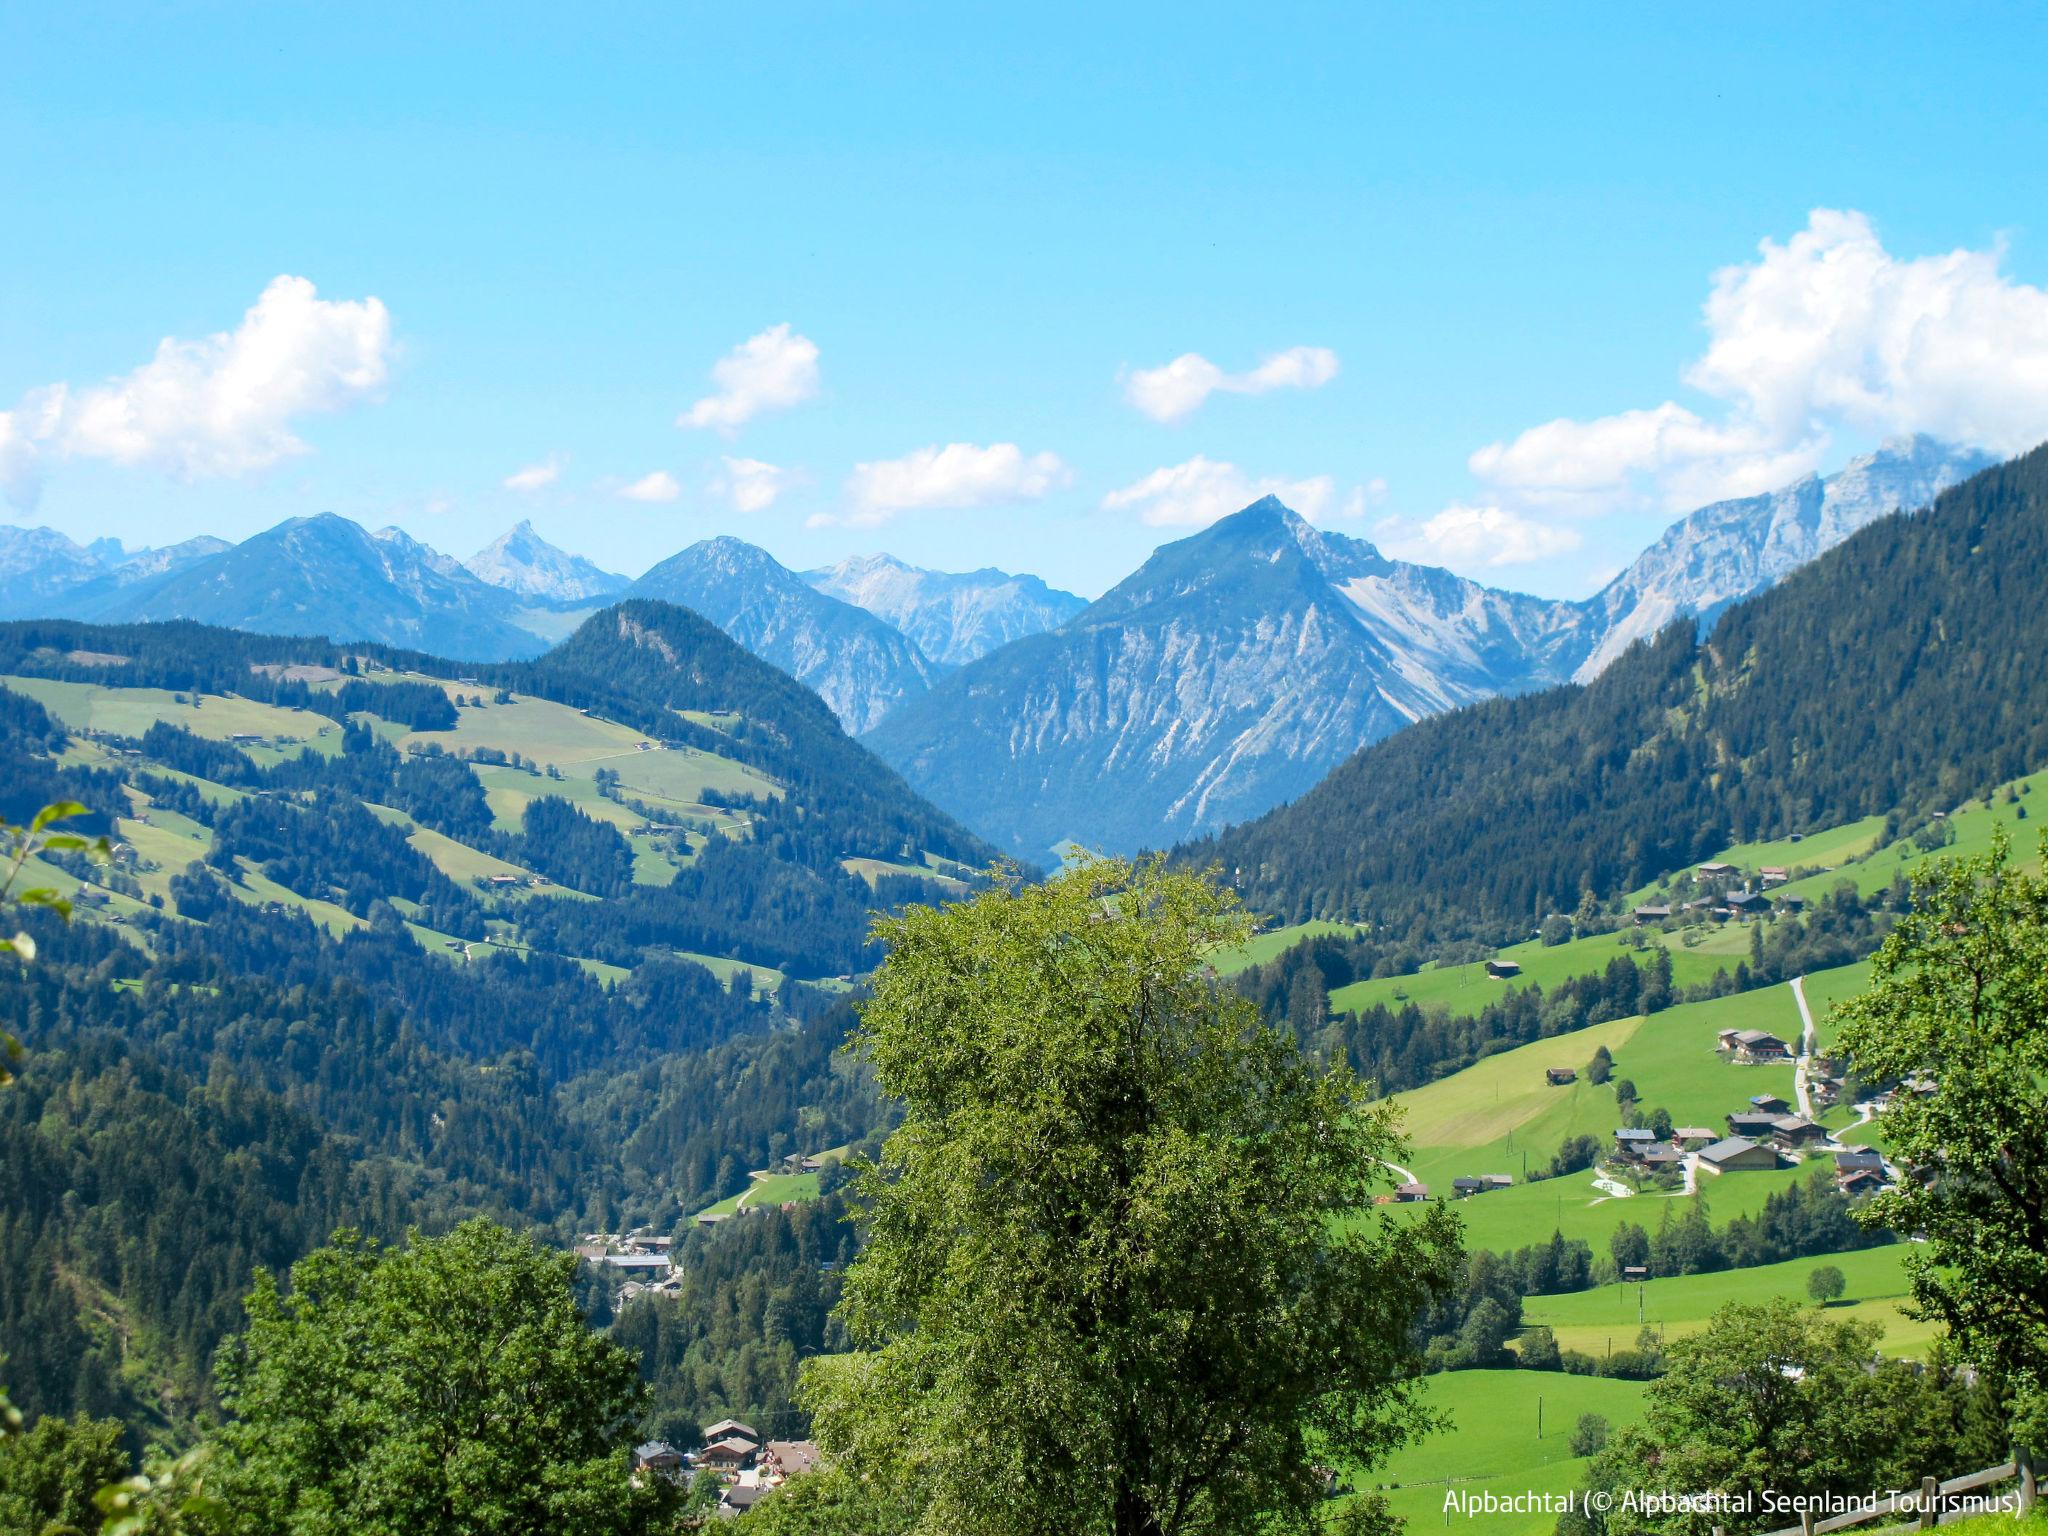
x=447, y=1388
x=1123, y=1271
x=1957, y=1015
x=1775, y=1399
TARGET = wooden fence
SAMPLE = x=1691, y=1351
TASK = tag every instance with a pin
x=1937, y=1503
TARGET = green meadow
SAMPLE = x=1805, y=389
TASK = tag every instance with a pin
x=132, y=711
x=1274, y=943
x=1492, y=1442
x=1466, y=989
x=1502, y=1115
x=1609, y=1316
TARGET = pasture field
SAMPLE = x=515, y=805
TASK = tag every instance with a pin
x=1274, y=943
x=1607, y=1316
x=871, y=870
x=1500, y=1115
x=1824, y=989
x=255, y=888
x=508, y=792
x=1529, y=1213
x=132, y=711
x=1975, y=823
x=1830, y=847
x=462, y=863
x=538, y=729
x=767, y=1189
x=1464, y=990
x=765, y=978
x=1502, y=1107
x=1491, y=1444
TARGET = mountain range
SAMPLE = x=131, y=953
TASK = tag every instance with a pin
x=1227, y=675
x=953, y=618
x=1237, y=667
x=1895, y=676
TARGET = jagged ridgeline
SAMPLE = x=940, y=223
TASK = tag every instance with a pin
x=1900, y=671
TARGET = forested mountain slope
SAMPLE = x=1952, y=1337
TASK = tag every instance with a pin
x=388, y=941
x=1901, y=669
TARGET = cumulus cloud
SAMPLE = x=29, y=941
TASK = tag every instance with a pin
x=768, y=372
x=222, y=405
x=749, y=484
x=535, y=477
x=957, y=475
x=1823, y=333
x=1195, y=493
x=657, y=487
x=1175, y=390
x=1476, y=536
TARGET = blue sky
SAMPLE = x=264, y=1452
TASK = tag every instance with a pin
x=1445, y=226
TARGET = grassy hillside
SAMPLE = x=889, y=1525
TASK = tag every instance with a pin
x=1465, y=989
x=1608, y=1316
x=1501, y=1115
x=656, y=727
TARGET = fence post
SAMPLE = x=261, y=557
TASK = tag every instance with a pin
x=1806, y=1522
x=1930, y=1490
x=2023, y=1459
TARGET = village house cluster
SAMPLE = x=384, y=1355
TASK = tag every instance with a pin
x=640, y=1262
x=1725, y=895
x=746, y=1466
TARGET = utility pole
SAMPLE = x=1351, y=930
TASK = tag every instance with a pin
x=1539, y=1416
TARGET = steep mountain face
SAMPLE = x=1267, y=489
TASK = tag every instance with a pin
x=859, y=665
x=522, y=562
x=1229, y=673
x=38, y=566
x=326, y=576
x=1899, y=671
x=1725, y=552
x=953, y=618
x=44, y=573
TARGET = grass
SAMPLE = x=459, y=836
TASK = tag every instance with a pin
x=765, y=978
x=1975, y=823
x=1465, y=989
x=457, y=860
x=545, y=732
x=1500, y=1115
x=871, y=870
x=1485, y=1118
x=1272, y=944
x=1491, y=1444
x=132, y=711
x=1592, y=1321
x=255, y=888
x=773, y=1189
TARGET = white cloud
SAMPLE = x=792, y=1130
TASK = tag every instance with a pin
x=658, y=486
x=219, y=406
x=1174, y=390
x=1195, y=493
x=749, y=484
x=535, y=477
x=957, y=475
x=1826, y=332
x=1465, y=537
x=768, y=372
